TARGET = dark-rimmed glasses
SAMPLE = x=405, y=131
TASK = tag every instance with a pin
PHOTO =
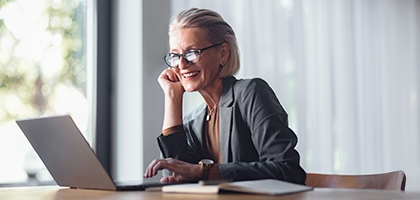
x=191, y=56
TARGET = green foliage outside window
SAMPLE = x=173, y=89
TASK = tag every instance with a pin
x=41, y=49
x=42, y=72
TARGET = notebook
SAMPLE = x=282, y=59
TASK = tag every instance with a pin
x=68, y=156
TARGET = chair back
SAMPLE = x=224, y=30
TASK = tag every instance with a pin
x=384, y=181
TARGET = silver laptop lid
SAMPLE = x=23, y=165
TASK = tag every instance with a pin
x=65, y=152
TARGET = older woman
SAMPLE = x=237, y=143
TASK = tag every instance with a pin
x=241, y=132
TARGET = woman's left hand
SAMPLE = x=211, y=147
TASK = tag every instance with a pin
x=182, y=171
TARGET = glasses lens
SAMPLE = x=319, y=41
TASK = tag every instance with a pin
x=192, y=56
x=172, y=60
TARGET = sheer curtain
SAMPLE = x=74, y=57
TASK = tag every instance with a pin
x=347, y=72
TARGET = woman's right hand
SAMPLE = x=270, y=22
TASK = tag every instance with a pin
x=170, y=84
x=182, y=171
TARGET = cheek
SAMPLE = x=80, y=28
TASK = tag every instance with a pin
x=210, y=66
x=212, y=70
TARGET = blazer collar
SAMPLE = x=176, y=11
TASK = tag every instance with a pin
x=227, y=97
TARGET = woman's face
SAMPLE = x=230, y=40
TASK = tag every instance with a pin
x=203, y=75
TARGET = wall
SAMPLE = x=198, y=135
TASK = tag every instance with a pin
x=140, y=37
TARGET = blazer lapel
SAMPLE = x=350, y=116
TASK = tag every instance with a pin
x=226, y=117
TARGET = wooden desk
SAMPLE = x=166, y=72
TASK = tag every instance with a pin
x=55, y=192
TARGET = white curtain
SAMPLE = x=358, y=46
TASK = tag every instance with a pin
x=347, y=72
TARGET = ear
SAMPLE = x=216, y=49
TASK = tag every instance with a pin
x=224, y=53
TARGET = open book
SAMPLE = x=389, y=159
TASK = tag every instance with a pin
x=265, y=186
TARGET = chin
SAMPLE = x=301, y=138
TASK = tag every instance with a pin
x=189, y=90
x=190, y=87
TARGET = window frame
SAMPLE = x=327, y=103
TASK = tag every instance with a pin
x=102, y=103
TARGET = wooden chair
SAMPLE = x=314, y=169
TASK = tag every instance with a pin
x=384, y=181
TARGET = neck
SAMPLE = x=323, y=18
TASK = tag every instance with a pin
x=212, y=97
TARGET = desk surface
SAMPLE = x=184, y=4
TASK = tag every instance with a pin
x=55, y=192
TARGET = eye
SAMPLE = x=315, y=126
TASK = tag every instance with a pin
x=173, y=56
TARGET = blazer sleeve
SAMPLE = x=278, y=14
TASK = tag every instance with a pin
x=186, y=145
x=271, y=152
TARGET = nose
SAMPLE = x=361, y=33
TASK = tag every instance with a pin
x=183, y=63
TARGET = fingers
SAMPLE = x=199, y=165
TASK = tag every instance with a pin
x=165, y=179
x=175, y=178
x=169, y=75
x=169, y=179
x=151, y=169
x=182, y=171
x=156, y=165
x=170, y=82
x=172, y=75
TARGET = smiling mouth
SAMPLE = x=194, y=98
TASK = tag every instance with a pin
x=190, y=74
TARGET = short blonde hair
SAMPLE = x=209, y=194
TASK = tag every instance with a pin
x=217, y=30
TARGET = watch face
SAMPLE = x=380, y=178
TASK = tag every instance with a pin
x=206, y=162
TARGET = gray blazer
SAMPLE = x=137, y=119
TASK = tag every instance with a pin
x=255, y=140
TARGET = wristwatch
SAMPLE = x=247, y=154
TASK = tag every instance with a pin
x=206, y=165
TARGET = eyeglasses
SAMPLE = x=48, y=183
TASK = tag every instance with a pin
x=191, y=56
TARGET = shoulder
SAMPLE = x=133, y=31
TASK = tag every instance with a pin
x=240, y=89
x=251, y=85
x=255, y=93
x=252, y=82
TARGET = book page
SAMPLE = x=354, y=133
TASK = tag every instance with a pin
x=191, y=188
x=265, y=186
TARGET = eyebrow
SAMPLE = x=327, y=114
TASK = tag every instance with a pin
x=189, y=48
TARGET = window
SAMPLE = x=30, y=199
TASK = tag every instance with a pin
x=42, y=72
x=347, y=73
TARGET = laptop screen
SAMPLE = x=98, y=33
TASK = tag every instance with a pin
x=65, y=152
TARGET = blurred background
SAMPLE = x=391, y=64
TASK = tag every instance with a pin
x=42, y=72
x=347, y=73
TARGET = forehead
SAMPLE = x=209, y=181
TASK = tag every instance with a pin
x=184, y=38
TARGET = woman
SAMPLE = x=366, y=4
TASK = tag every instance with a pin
x=241, y=131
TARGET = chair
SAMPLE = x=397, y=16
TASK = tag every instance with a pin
x=384, y=181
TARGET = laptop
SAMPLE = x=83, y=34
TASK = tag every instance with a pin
x=68, y=156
